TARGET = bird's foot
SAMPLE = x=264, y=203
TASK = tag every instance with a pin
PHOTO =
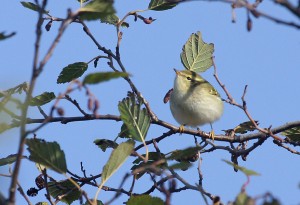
x=181, y=129
x=212, y=135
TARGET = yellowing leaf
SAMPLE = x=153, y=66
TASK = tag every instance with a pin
x=116, y=159
x=245, y=127
x=196, y=55
x=42, y=99
x=246, y=171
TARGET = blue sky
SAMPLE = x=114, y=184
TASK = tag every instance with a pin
x=266, y=59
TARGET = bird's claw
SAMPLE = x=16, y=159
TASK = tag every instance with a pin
x=181, y=129
x=212, y=135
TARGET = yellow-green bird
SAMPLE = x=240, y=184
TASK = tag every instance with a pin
x=194, y=101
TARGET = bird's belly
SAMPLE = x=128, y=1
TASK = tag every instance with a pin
x=194, y=113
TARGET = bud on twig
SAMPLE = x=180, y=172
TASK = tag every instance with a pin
x=48, y=25
x=32, y=192
x=90, y=103
x=96, y=62
x=167, y=96
x=39, y=181
x=249, y=24
x=148, y=20
x=255, y=13
x=96, y=107
x=60, y=111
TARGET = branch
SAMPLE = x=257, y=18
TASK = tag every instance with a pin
x=293, y=9
x=24, y=110
x=189, y=186
x=173, y=129
x=36, y=70
x=251, y=8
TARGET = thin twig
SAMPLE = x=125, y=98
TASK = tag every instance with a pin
x=280, y=144
x=24, y=110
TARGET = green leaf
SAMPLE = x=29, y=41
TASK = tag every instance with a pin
x=153, y=157
x=189, y=154
x=196, y=55
x=243, y=199
x=181, y=165
x=137, y=120
x=96, y=9
x=4, y=127
x=103, y=76
x=292, y=133
x=9, y=159
x=144, y=200
x=113, y=19
x=246, y=171
x=3, y=36
x=160, y=5
x=32, y=6
x=124, y=133
x=103, y=144
x=62, y=188
x=116, y=159
x=42, y=99
x=98, y=202
x=48, y=154
x=71, y=72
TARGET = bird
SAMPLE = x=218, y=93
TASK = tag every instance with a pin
x=194, y=101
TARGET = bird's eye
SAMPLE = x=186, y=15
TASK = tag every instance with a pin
x=188, y=78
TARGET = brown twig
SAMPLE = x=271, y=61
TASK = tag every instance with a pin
x=189, y=186
x=24, y=110
x=252, y=9
x=48, y=196
x=289, y=6
x=74, y=102
x=280, y=144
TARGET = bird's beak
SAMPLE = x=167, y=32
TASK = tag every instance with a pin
x=176, y=71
